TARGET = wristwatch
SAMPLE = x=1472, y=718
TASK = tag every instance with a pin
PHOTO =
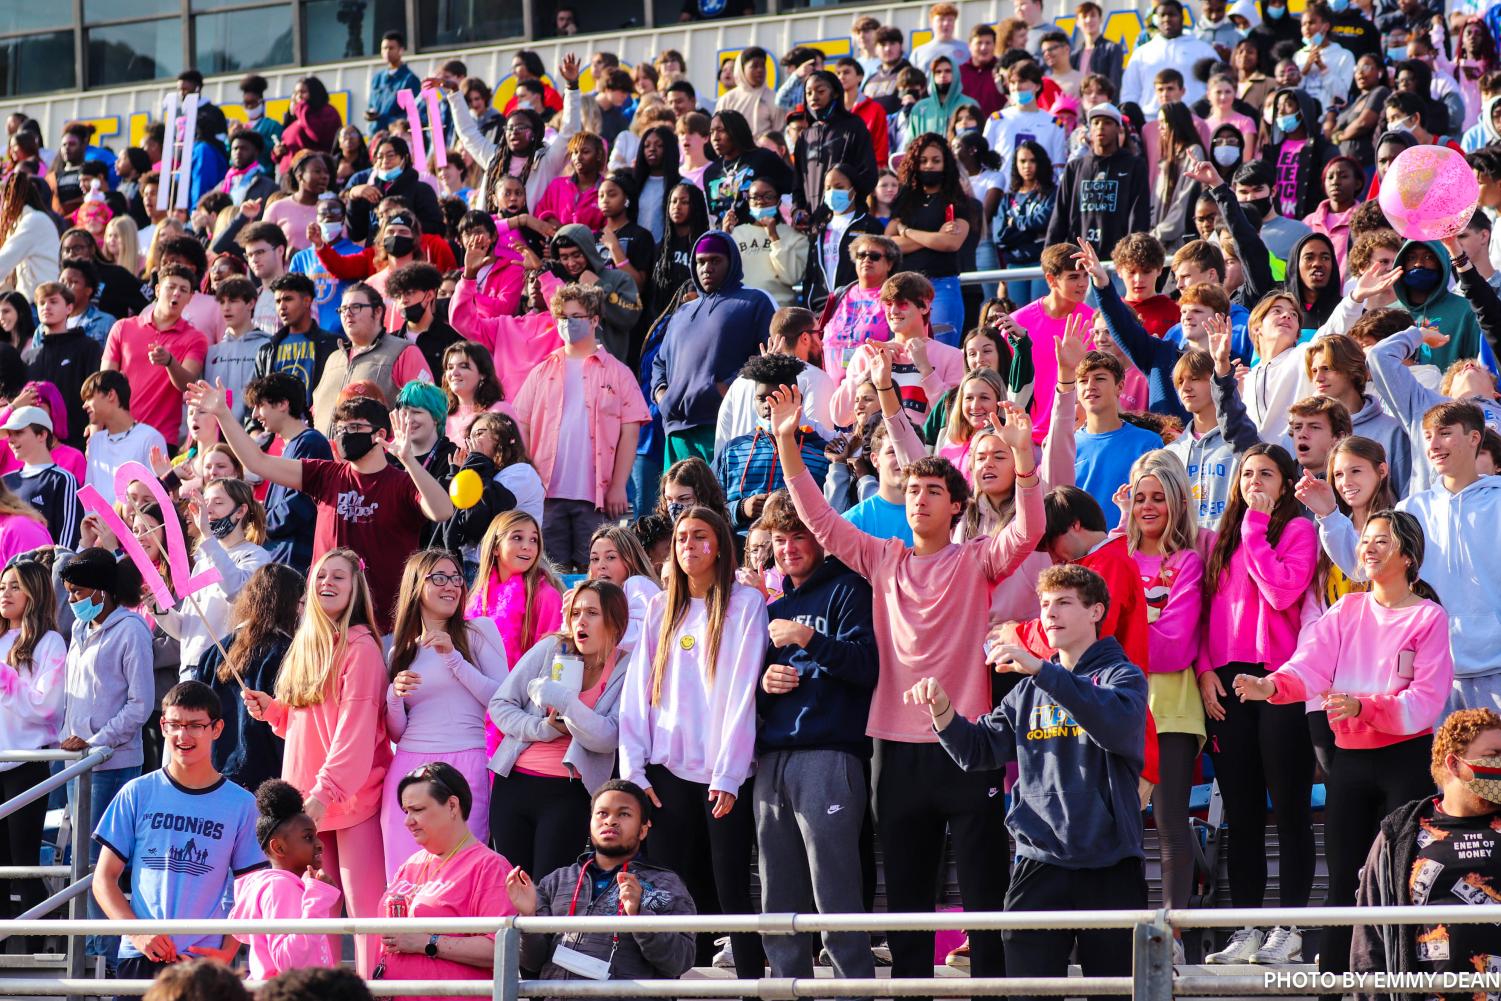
x=431, y=949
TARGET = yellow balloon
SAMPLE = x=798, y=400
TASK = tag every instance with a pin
x=466, y=488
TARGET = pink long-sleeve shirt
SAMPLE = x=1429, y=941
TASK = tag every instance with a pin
x=1174, y=588
x=1396, y=661
x=338, y=751
x=1253, y=615
x=519, y=343
x=268, y=894
x=1044, y=331
x=930, y=611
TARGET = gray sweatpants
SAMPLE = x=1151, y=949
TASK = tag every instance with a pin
x=809, y=807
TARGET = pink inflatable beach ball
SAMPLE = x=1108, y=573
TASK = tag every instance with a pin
x=1429, y=193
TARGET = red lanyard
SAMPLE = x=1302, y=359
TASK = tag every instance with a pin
x=619, y=910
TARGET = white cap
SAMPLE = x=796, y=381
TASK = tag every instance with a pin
x=25, y=417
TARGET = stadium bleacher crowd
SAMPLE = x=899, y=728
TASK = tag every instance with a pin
x=620, y=502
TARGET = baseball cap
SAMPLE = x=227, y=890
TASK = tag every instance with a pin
x=24, y=417
x=1107, y=110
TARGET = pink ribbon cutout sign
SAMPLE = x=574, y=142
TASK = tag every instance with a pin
x=409, y=103
x=177, y=546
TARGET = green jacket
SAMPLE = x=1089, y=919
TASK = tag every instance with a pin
x=1450, y=312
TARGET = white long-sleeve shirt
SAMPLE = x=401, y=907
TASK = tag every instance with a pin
x=196, y=634
x=30, y=256
x=483, y=149
x=737, y=411
x=1330, y=83
x=1009, y=126
x=31, y=699
x=1181, y=53
x=1273, y=386
x=701, y=731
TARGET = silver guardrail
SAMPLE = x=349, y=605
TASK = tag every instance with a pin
x=1153, y=977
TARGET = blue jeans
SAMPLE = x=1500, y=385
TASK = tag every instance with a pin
x=1023, y=291
x=987, y=258
x=103, y=789
x=948, y=309
x=646, y=471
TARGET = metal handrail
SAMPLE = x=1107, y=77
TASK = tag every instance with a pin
x=87, y=762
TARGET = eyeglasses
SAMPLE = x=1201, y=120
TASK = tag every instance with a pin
x=170, y=726
x=444, y=579
x=349, y=309
x=869, y=255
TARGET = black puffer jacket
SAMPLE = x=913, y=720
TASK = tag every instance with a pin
x=840, y=138
x=1312, y=158
x=421, y=197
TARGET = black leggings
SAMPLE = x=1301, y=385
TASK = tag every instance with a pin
x=713, y=858
x=1323, y=741
x=1175, y=760
x=919, y=794
x=539, y=823
x=21, y=843
x=1364, y=786
x=1259, y=748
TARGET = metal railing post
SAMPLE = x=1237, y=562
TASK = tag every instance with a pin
x=1152, y=960
x=78, y=907
x=507, y=971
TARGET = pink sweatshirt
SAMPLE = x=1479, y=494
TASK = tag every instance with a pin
x=1044, y=331
x=1174, y=590
x=505, y=603
x=930, y=611
x=519, y=343
x=268, y=894
x=338, y=750
x=564, y=202
x=1395, y=660
x=1253, y=616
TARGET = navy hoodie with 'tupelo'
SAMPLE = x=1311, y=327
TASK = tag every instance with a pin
x=836, y=671
x=1077, y=738
x=707, y=341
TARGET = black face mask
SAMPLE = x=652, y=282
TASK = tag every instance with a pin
x=398, y=246
x=414, y=313
x=355, y=445
x=1259, y=206
x=930, y=178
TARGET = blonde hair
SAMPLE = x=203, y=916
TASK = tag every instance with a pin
x=12, y=504
x=536, y=575
x=1261, y=309
x=129, y=235
x=1182, y=530
x=959, y=430
x=318, y=647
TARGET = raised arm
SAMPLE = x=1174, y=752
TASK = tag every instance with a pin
x=275, y=468
x=436, y=504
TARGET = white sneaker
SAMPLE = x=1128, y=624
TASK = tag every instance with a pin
x=1282, y=946
x=1241, y=947
x=724, y=959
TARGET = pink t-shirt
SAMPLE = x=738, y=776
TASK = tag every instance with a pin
x=858, y=318
x=293, y=218
x=153, y=398
x=545, y=757
x=20, y=534
x=472, y=884
x=1044, y=330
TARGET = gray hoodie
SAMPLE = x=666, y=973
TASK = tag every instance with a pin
x=110, y=686
x=622, y=297
x=595, y=732
x=1373, y=422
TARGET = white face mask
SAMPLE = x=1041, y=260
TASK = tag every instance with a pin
x=331, y=230
x=256, y=113
x=572, y=329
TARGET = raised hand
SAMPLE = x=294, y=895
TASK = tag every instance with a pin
x=1315, y=494
x=315, y=236
x=1432, y=336
x=400, y=445
x=1122, y=499
x=208, y=399
x=1373, y=282
x=917, y=350
x=1203, y=172
x=1089, y=261
x=1070, y=348
x=568, y=68
x=786, y=411
x=880, y=364
x=1218, y=328
x=1017, y=431
x=160, y=464
x=1012, y=658
x=522, y=891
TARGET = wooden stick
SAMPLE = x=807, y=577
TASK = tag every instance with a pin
x=193, y=601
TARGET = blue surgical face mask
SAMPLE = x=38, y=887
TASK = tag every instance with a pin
x=87, y=610
x=838, y=200
x=968, y=130
x=389, y=175
x=1276, y=13
x=761, y=213
x=1244, y=33
x=1396, y=55
x=1421, y=279
x=1287, y=123
x=1339, y=6
x=1025, y=97
x=1316, y=39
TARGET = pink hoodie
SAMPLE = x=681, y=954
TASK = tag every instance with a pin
x=1395, y=660
x=268, y=894
x=519, y=343
x=1254, y=614
x=338, y=750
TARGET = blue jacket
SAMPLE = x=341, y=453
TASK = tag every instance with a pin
x=291, y=515
x=748, y=466
x=384, y=86
x=1155, y=358
x=836, y=671
x=1077, y=738
x=706, y=343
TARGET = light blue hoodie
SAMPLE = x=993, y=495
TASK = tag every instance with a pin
x=1461, y=565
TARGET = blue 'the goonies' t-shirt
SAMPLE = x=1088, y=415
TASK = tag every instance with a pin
x=185, y=848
